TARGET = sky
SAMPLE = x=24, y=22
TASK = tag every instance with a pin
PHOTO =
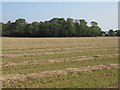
x=60, y=0
x=104, y=13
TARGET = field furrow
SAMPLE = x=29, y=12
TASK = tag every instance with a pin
x=60, y=62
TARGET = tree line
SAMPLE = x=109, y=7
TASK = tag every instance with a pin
x=56, y=27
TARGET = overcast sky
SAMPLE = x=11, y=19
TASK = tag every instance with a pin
x=105, y=13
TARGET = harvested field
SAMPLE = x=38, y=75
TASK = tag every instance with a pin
x=60, y=62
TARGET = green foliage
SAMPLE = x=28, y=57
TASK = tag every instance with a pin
x=95, y=29
x=56, y=27
x=93, y=23
x=0, y=28
x=117, y=32
x=111, y=32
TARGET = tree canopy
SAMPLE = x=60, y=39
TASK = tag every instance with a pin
x=56, y=27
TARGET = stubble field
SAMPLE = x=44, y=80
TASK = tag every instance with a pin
x=60, y=62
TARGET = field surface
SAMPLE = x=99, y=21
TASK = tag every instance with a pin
x=60, y=62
